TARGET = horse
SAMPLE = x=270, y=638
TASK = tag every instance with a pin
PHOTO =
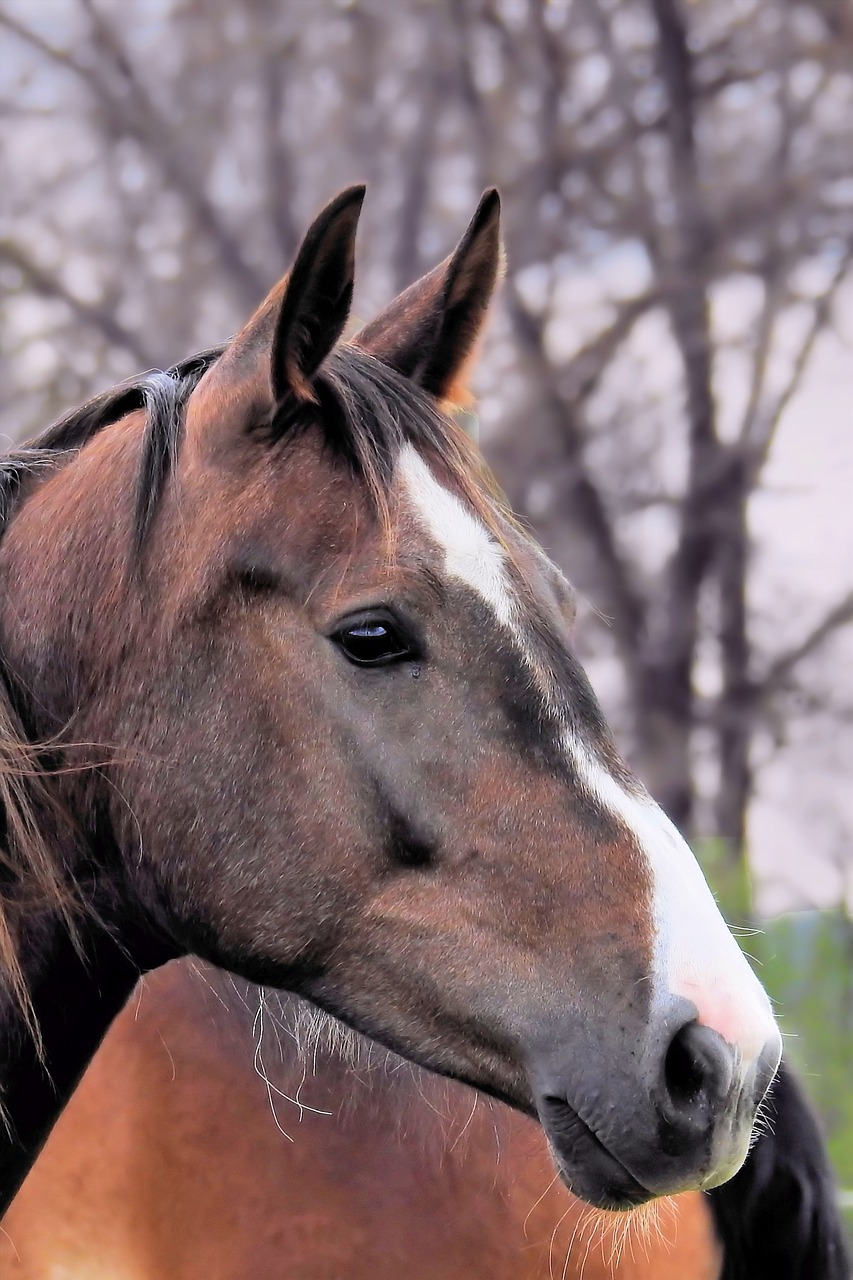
x=285, y=687
x=222, y=1129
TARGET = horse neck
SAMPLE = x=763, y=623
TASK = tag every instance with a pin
x=76, y=988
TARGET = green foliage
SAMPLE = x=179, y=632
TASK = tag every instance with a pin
x=731, y=881
x=805, y=961
x=807, y=966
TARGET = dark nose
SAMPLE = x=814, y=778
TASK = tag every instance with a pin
x=698, y=1069
x=696, y=1073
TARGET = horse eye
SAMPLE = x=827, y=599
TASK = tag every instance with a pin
x=372, y=644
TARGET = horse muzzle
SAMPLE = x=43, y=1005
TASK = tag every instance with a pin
x=679, y=1118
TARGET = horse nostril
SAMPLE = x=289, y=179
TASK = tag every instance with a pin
x=698, y=1070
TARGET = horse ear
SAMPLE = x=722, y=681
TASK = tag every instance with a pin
x=429, y=332
x=316, y=297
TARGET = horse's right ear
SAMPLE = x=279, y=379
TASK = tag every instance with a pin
x=429, y=332
x=303, y=317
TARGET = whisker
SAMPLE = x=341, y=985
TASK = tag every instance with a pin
x=537, y=1203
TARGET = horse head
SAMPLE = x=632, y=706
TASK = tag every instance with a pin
x=352, y=751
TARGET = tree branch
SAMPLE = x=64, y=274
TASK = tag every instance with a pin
x=583, y=498
x=578, y=381
x=135, y=115
x=759, y=429
x=669, y=689
x=840, y=615
x=102, y=319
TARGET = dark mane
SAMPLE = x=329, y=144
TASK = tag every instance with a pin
x=365, y=409
x=32, y=876
x=779, y=1215
x=164, y=397
x=162, y=394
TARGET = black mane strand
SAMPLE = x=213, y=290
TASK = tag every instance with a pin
x=365, y=410
x=163, y=395
x=778, y=1218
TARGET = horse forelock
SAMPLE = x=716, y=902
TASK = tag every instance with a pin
x=365, y=413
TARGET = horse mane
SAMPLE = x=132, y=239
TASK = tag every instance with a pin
x=163, y=396
x=778, y=1218
x=29, y=875
x=32, y=878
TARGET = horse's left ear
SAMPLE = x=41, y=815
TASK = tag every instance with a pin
x=276, y=356
x=429, y=332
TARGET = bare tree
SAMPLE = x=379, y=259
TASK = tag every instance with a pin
x=652, y=157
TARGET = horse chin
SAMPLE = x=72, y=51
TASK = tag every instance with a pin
x=590, y=1171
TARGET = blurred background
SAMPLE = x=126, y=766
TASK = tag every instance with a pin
x=666, y=392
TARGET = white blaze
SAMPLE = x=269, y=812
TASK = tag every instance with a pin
x=695, y=954
x=470, y=552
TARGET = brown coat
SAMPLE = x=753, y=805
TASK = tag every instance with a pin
x=168, y=1165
